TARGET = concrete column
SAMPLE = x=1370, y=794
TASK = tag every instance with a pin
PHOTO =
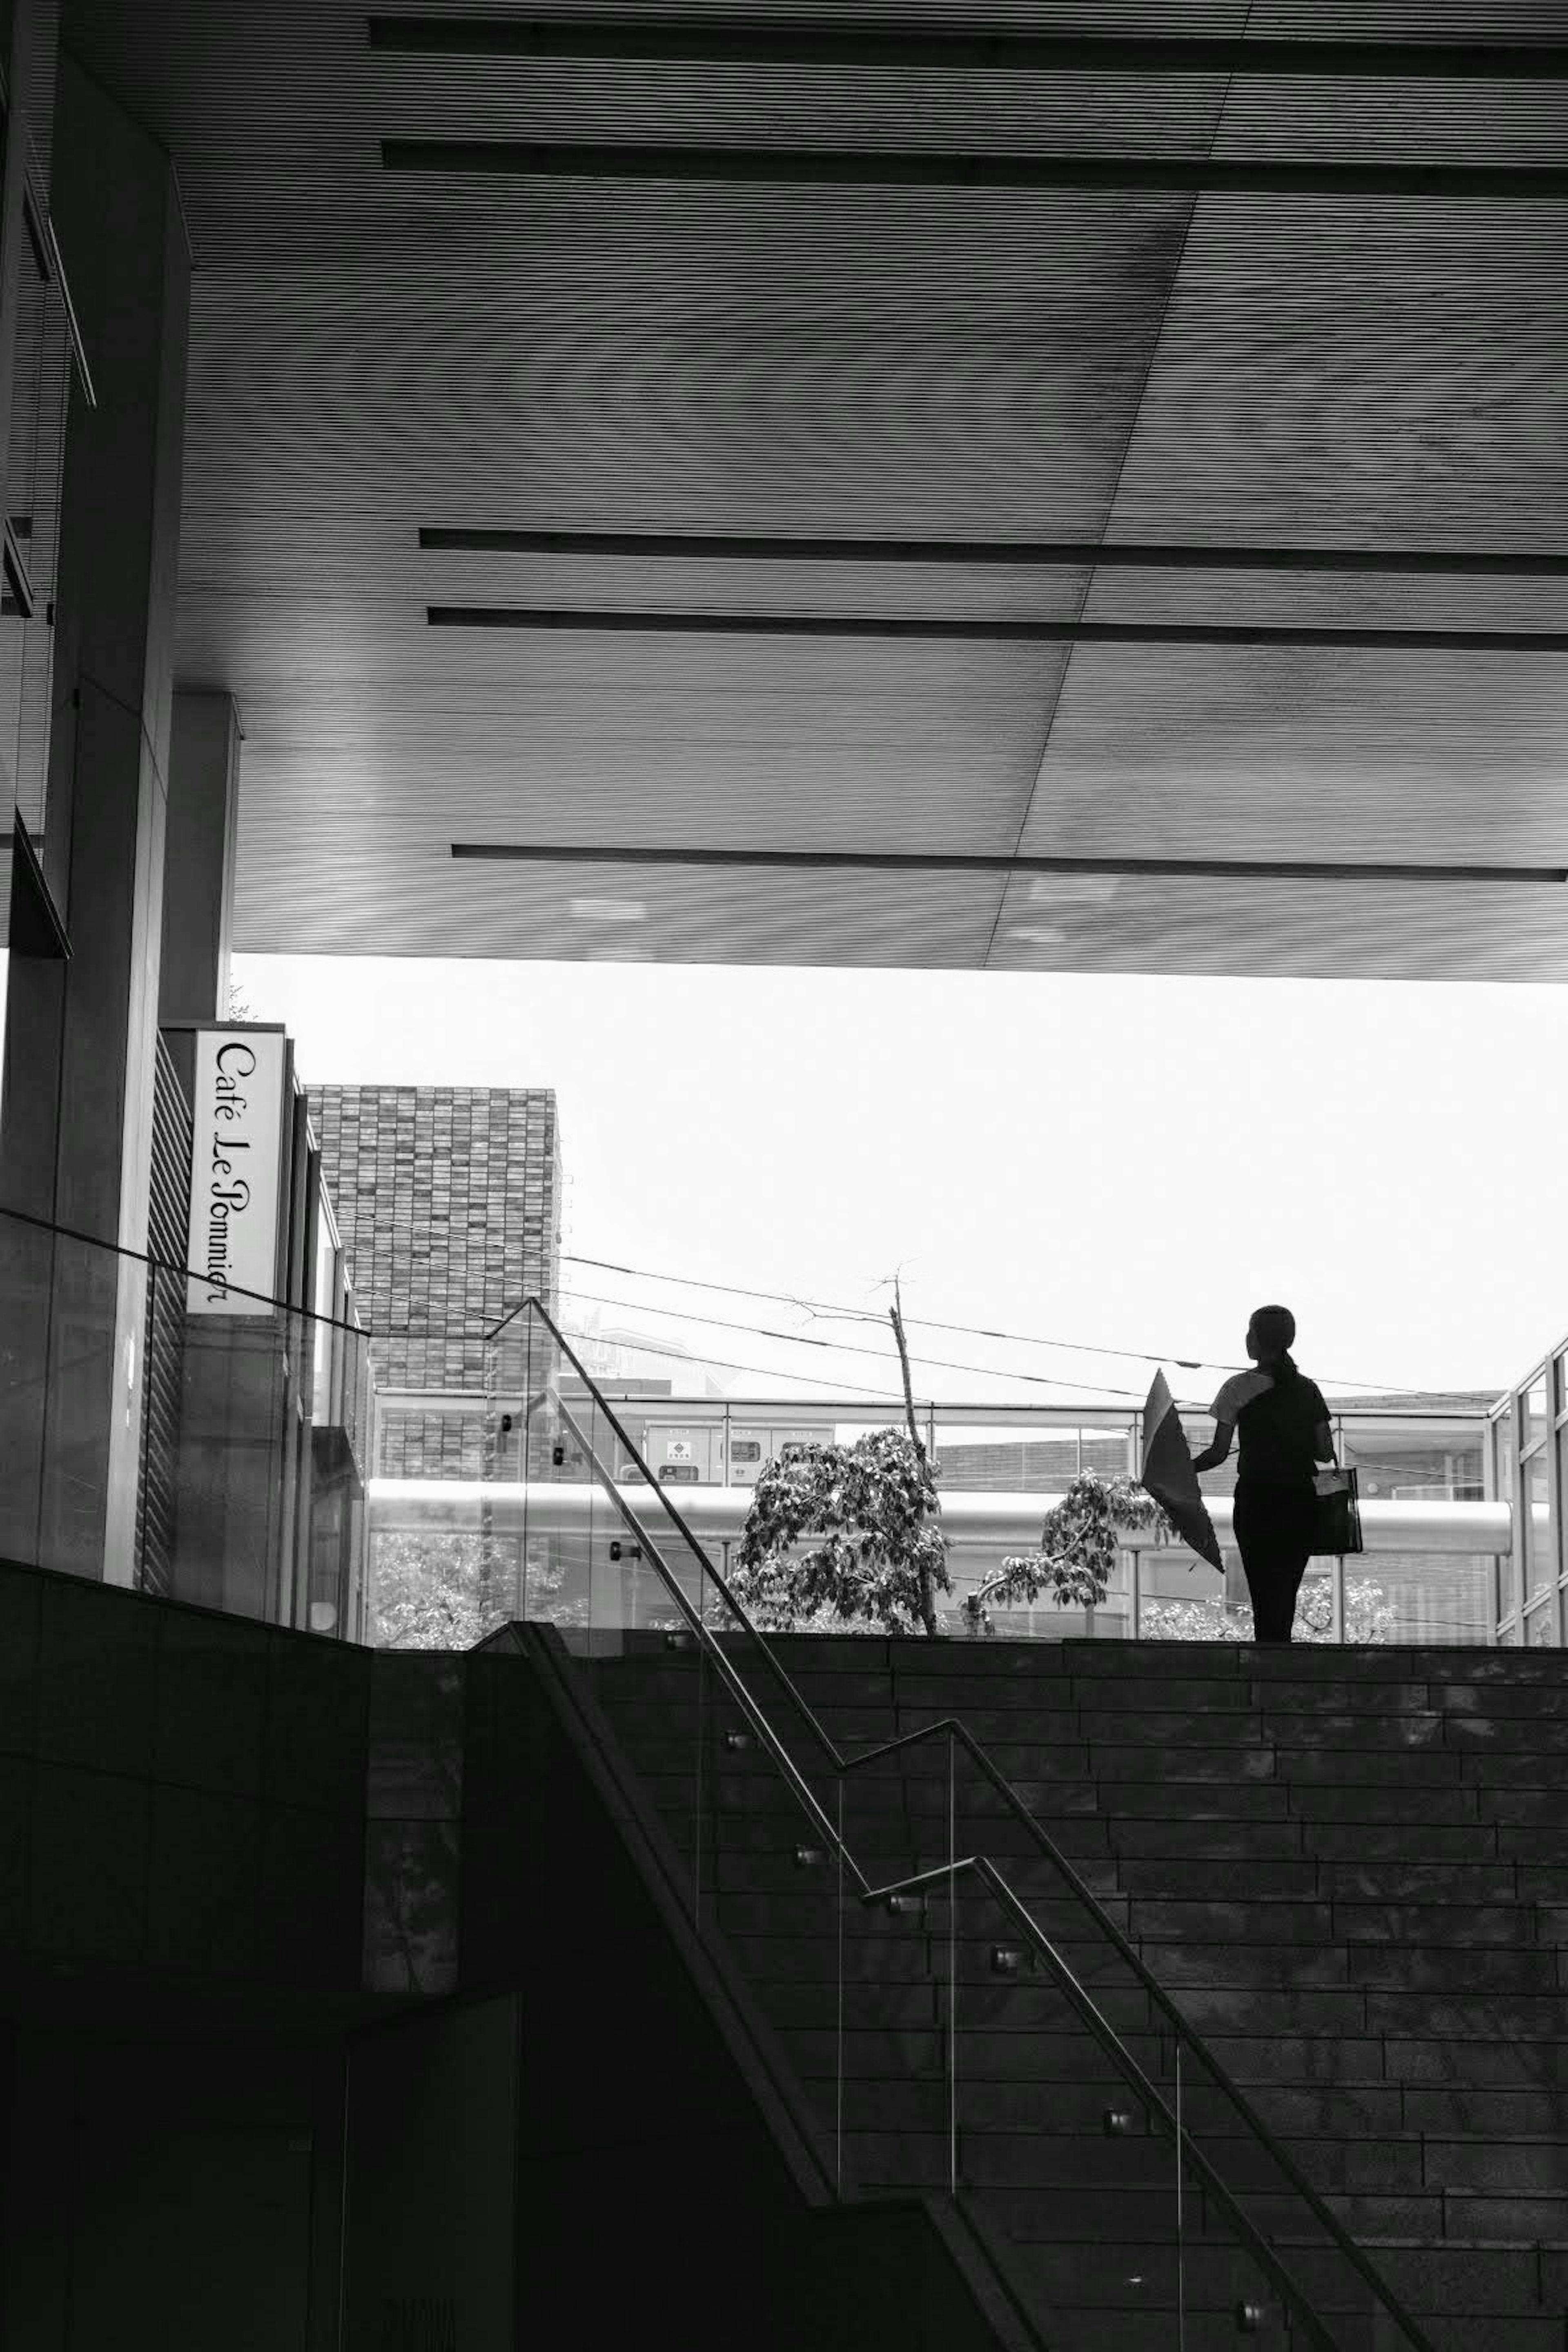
x=80, y=1036
x=30, y=56
x=198, y=862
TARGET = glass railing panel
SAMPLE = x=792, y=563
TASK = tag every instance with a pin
x=1200, y=2254
x=1077, y=2149
x=1042, y=2069
x=917, y=1833
x=895, y=2098
x=748, y=1796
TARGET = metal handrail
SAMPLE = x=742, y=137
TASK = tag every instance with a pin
x=1150, y=2092
x=1102, y=2028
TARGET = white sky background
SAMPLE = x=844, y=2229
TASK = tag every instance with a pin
x=1132, y=1163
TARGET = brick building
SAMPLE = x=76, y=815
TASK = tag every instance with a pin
x=449, y=1200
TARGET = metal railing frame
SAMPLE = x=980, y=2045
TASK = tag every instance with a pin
x=982, y=1866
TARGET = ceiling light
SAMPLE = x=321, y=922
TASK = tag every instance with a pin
x=1038, y=936
x=608, y=911
x=1054, y=888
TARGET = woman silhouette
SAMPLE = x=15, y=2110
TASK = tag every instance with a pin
x=1283, y=1424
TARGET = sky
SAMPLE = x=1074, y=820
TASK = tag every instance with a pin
x=1120, y=1162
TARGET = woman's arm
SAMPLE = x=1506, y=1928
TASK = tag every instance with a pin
x=1323, y=1441
x=1214, y=1454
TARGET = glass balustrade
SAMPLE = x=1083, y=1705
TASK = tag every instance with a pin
x=958, y=1999
x=704, y=1455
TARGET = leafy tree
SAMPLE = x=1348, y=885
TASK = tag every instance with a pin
x=867, y=1514
x=1370, y=1616
x=425, y=1593
x=449, y=1591
x=1076, y=1551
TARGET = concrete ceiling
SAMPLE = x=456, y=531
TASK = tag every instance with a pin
x=1174, y=442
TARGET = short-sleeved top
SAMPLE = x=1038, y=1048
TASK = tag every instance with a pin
x=1275, y=1425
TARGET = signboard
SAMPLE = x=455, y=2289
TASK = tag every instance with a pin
x=236, y=1159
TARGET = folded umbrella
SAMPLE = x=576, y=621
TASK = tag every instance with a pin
x=1168, y=1474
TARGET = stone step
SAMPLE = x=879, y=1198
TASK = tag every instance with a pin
x=1313, y=2068
x=1272, y=1919
x=1464, y=2280
x=1054, y=2137
x=1186, y=1877
x=1260, y=2037
x=1456, y=2061
x=1388, y=1989
x=1507, y=2086
x=1466, y=1665
x=1473, y=2299
x=741, y=1782
x=1434, y=2216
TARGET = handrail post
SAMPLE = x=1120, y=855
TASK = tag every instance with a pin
x=1181, y=2217
x=952, y=1969
x=838, y=2016
x=697, y=1820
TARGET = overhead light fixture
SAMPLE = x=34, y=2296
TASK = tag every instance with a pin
x=1037, y=936
x=924, y=627
x=883, y=167
x=959, y=863
x=608, y=911
x=765, y=37
x=1099, y=555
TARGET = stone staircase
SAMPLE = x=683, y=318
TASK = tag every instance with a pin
x=1349, y=1868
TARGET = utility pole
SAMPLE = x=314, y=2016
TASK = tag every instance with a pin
x=895, y=1317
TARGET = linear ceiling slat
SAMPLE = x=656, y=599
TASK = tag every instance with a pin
x=795, y=38
x=868, y=555
x=886, y=167
x=924, y=628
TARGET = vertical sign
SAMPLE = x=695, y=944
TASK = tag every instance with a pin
x=236, y=1156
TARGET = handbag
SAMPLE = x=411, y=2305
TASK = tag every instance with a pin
x=1336, y=1513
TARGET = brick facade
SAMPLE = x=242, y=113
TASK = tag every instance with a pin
x=449, y=1201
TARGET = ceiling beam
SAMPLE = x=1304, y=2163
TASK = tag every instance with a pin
x=1113, y=555
x=782, y=167
x=1000, y=632
x=798, y=41
x=893, y=861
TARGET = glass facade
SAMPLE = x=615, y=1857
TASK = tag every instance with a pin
x=1528, y=1458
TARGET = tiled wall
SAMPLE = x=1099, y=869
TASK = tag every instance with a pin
x=178, y=1790
x=449, y=1202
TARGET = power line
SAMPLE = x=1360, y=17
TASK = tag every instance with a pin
x=972, y=1330
x=652, y=1347
x=847, y=1347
